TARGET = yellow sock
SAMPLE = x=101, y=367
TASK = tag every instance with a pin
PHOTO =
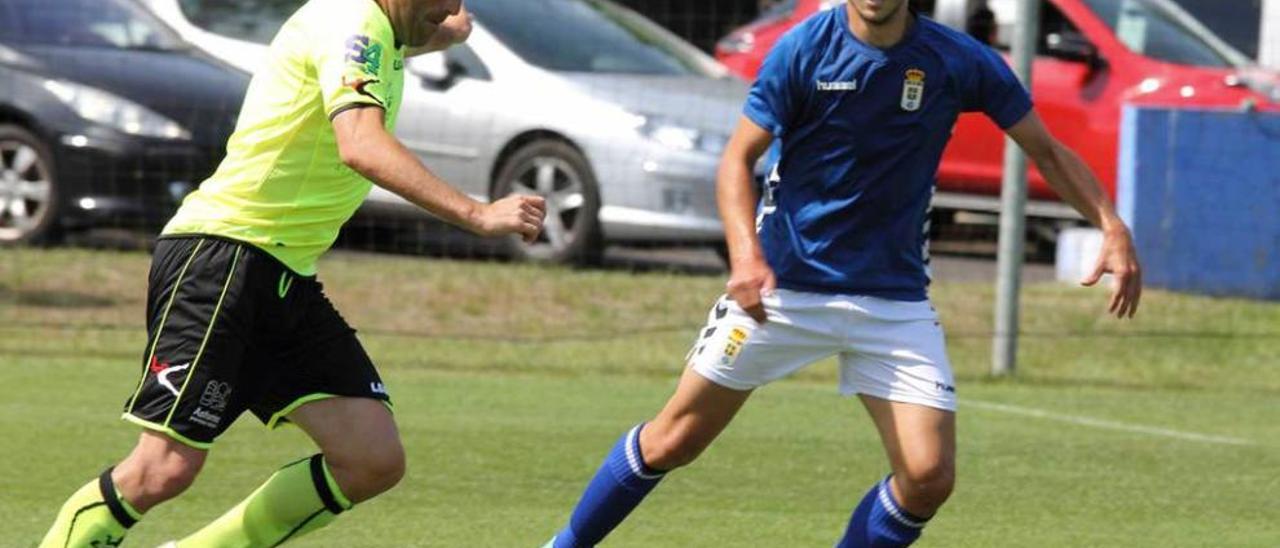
x=297, y=499
x=95, y=516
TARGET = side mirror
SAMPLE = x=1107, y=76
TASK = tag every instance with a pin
x=433, y=68
x=1073, y=46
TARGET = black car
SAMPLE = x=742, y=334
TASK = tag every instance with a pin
x=106, y=117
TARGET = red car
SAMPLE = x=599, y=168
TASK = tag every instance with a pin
x=1094, y=56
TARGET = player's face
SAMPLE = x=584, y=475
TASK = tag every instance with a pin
x=425, y=17
x=877, y=12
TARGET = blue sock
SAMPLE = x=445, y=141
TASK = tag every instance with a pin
x=880, y=522
x=618, y=487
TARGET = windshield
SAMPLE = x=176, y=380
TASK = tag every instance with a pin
x=84, y=23
x=250, y=20
x=1162, y=31
x=1235, y=21
x=780, y=10
x=589, y=36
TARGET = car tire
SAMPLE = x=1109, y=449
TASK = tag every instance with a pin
x=29, y=197
x=559, y=173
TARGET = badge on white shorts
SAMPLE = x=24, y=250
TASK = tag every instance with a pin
x=913, y=90
x=733, y=345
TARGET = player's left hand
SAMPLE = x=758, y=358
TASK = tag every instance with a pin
x=1119, y=258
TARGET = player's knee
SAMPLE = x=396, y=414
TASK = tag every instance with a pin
x=929, y=482
x=161, y=478
x=673, y=449
x=370, y=472
x=387, y=468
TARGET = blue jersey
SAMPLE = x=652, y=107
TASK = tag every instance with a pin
x=862, y=131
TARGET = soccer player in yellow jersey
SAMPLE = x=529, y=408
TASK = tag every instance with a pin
x=236, y=318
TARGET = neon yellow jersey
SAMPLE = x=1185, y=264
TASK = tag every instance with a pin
x=283, y=186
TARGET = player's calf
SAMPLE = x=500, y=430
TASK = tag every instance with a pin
x=690, y=421
x=101, y=512
x=623, y=480
x=920, y=443
x=894, y=512
x=361, y=457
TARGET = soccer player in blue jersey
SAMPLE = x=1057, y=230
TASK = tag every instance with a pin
x=863, y=99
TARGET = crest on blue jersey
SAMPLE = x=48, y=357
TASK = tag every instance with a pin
x=913, y=90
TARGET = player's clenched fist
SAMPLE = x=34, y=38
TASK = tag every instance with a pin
x=515, y=214
x=748, y=282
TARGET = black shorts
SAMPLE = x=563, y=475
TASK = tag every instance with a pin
x=230, y=328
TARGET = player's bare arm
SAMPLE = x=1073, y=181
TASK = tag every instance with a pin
x=750, y=276
x=366, y=147
x=1072, y=179
x=454, y=30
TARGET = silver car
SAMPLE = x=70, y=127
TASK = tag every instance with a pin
x=616, y=121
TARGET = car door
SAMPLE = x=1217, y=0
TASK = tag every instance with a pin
x=1069, y=93
x=446, y=117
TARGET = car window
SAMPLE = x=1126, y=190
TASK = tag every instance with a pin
x=589, y=36
x=250, y=20
x=780, y=10
x=86, y=23
x=1235, y=21
x=9, y=29
x=1162, y=32
x=993, y=24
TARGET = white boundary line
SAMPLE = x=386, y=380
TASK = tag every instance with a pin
x=1106, y=424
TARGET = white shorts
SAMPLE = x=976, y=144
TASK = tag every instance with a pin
x=893, y=350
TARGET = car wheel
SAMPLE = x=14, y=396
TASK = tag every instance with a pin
x=28, y=190
x=560, y=174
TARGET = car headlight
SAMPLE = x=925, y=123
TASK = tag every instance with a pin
x=110, y=110
x=679, y=137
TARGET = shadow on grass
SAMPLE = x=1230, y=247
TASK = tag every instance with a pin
x=54, y=299
x=445, y=242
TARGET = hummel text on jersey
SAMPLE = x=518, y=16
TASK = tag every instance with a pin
x=851, y=85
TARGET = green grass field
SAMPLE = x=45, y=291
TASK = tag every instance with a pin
x=511, y=382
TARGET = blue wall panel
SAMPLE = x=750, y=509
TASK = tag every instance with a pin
x=1201, y=191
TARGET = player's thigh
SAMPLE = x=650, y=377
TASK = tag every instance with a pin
x=919, y=440
x=696, y=414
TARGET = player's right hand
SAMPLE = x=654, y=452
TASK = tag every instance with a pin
x=516, y=214
x=749, y=281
